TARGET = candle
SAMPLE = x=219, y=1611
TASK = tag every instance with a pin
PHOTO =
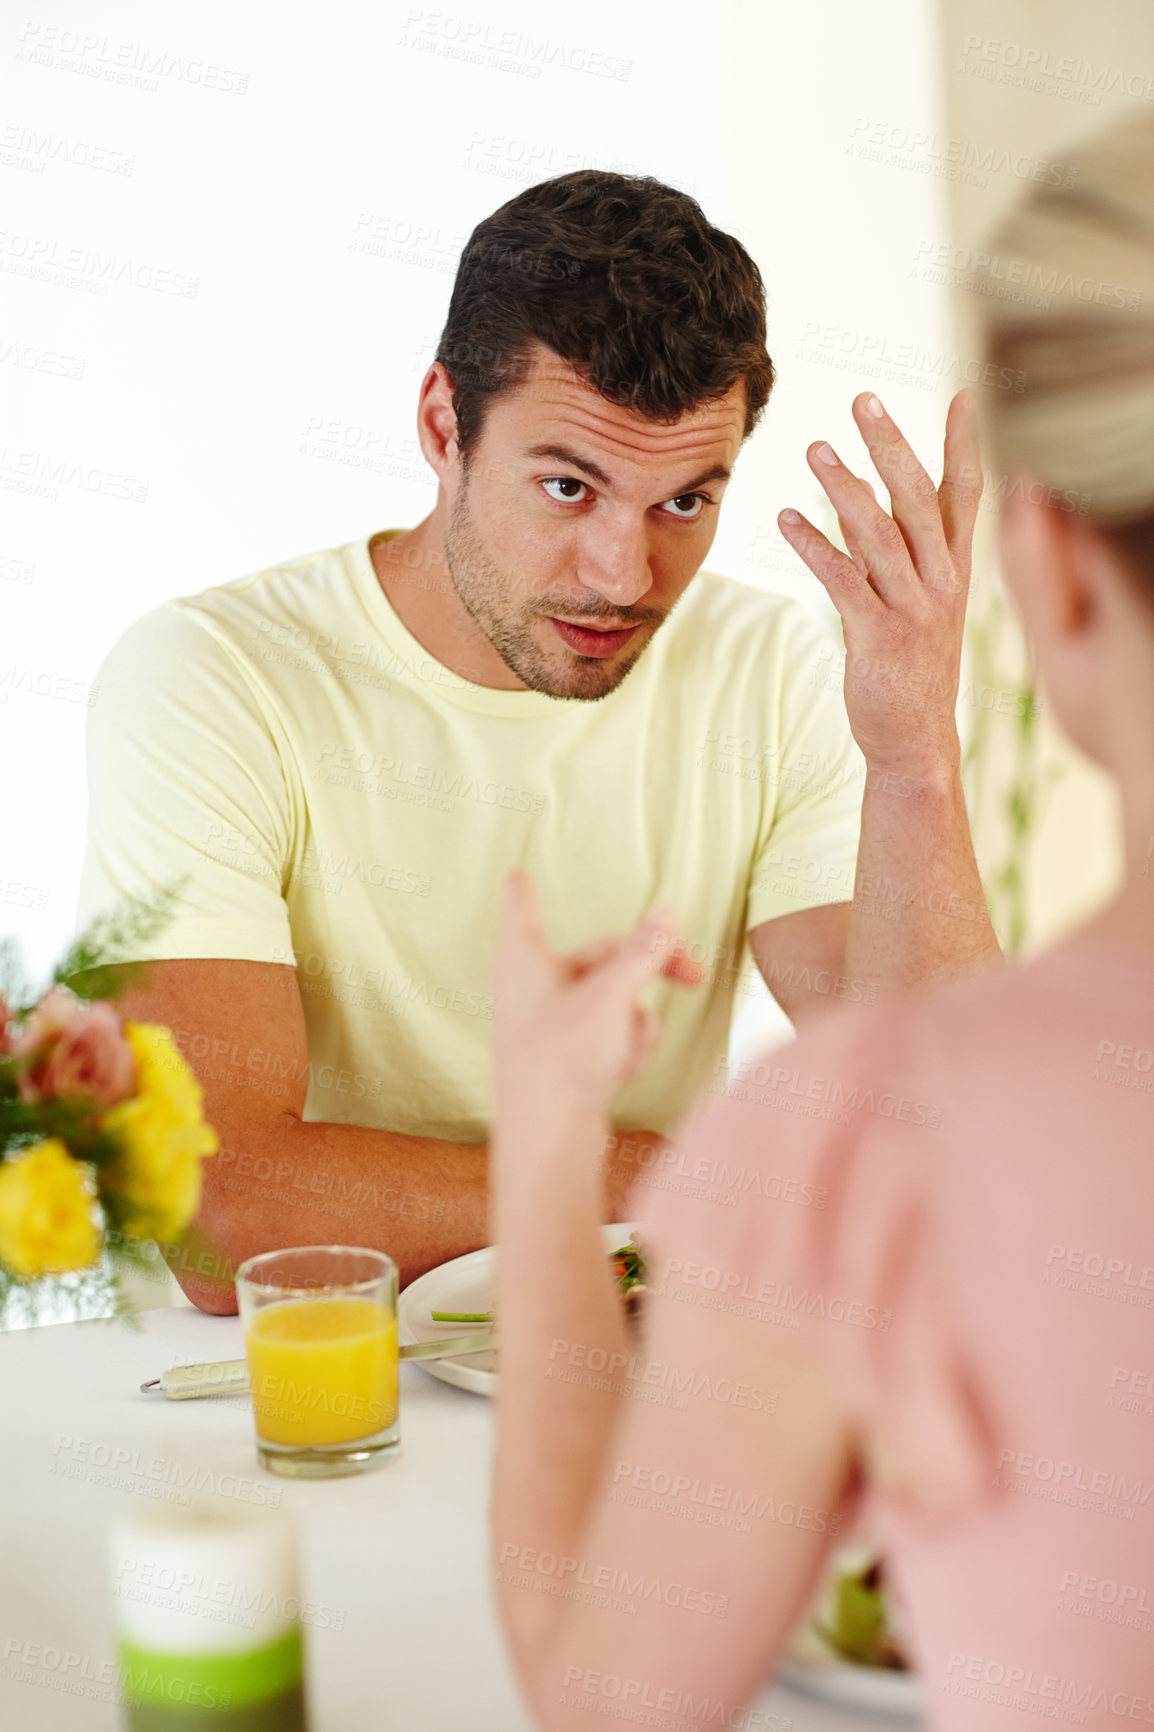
x=206, y=1604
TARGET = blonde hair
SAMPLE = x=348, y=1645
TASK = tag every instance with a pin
x=1068, y=308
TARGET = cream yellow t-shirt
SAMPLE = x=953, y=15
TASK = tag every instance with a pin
x=342, y=801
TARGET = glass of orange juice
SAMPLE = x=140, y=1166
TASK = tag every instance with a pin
x=320, y=1336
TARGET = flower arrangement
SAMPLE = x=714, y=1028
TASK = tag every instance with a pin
x=101, y=1130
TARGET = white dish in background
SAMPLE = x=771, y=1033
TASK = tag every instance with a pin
x=463, y=1284
x=841, y=1684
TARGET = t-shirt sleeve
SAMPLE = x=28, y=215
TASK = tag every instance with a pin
x=807, y=850
x=186, y=784
x=799, y=1197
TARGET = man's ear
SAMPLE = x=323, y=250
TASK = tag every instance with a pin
x=437, y=420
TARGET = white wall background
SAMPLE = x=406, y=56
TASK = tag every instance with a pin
x=226, y=251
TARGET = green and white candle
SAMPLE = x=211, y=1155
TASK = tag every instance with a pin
x=206, y=1603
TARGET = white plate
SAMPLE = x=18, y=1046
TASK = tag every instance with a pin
x=844, y=1685
x=464, y=1284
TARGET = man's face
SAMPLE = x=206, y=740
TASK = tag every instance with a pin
x=579, y=524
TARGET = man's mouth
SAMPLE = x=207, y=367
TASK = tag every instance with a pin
x=589, y=641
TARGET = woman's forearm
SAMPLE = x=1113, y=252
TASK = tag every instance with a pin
x=562, y=1349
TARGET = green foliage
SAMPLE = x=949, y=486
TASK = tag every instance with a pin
x=99, y=963
x=14, y=986
x=1022, y=802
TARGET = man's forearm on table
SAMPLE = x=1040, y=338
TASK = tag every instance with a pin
x=919, y=911
x=302, y=1182
x=290, y=1181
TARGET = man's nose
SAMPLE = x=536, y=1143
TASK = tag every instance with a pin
x=616, y=563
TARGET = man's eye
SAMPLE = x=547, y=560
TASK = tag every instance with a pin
x=690, y=505
x=694, y=499
x=563, y=481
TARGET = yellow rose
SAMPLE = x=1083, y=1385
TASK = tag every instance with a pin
x=162, y=1136
x=47, y=1221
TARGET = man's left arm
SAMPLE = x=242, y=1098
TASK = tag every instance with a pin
x=918, y=911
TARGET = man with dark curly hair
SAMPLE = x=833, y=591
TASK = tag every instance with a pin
x=343, y=756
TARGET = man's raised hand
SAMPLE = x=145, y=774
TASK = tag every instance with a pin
x=902, y=590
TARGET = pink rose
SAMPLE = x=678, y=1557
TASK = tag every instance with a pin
x=44, y=1024
x=75, y=1050
x=5, y=1020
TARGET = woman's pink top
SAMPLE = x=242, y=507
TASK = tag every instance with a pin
x=955, y=1201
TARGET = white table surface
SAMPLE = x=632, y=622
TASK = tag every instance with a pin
x=397, y=1558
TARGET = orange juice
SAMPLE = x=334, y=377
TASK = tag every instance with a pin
x=322, y=1370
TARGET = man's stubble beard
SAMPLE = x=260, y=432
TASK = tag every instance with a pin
x=484, y=591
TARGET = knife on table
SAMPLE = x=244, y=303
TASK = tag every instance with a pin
x=230, y=1376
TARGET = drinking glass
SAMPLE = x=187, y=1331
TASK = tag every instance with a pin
x=320, y=1336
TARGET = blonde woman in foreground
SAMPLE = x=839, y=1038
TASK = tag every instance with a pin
x=908, y=1271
